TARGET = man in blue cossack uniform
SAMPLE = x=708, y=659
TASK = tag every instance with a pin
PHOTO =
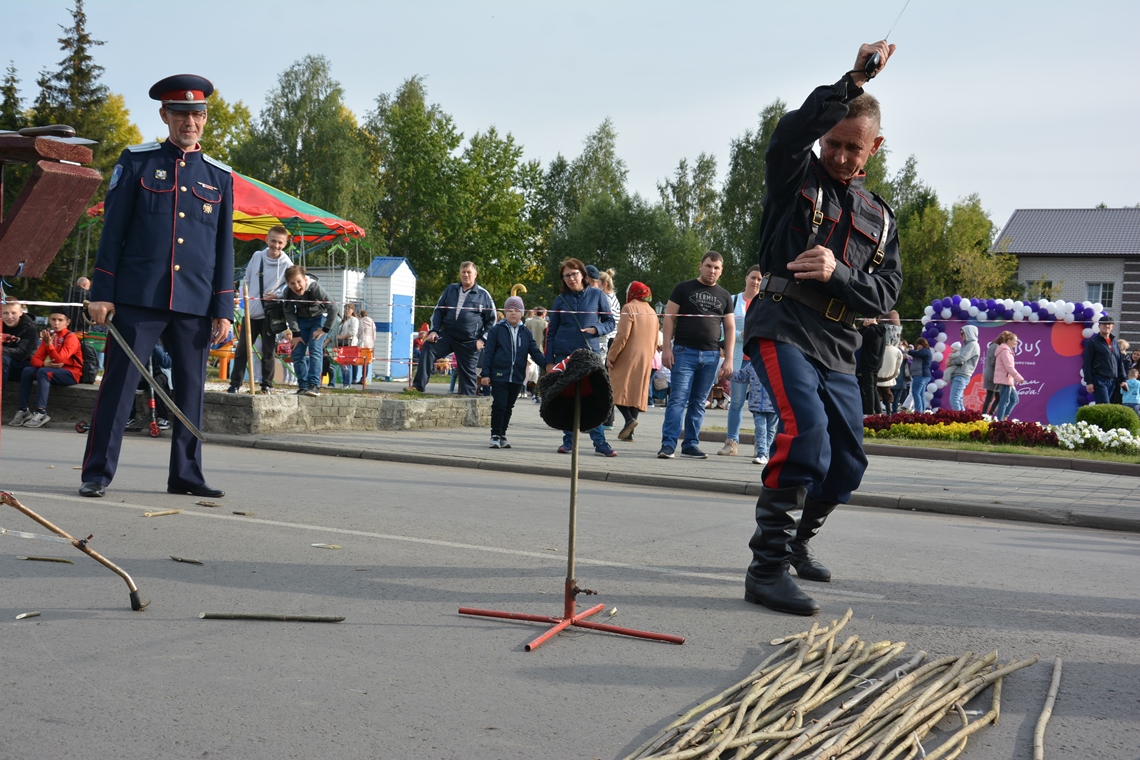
x=828, y=251
x=165, y=268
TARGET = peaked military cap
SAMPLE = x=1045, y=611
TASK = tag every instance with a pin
x=182, y=92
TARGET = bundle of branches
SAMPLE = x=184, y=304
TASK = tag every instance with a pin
x=790, y=706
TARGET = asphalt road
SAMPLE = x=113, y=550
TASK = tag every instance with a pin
x=405, y=676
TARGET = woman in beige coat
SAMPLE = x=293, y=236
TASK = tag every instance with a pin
x=630, y=358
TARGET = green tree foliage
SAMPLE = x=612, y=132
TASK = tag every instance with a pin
x=597, y=171
x=307, y=143
x=742, y=198
x=12, y=114
x=692, y=198
x=229, y=127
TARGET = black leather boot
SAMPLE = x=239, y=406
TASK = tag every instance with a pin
x=803, y=558
x=768, y=582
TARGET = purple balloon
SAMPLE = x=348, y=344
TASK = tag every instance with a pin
x=955, y=299
x=991, y=304
x=947, y=303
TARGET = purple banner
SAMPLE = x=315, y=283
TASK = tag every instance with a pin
x=1049, y=357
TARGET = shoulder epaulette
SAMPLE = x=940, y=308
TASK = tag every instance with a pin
x=154, y=145
x=217, y=163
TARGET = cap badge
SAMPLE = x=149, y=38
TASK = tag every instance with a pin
x=189, y=95
x=160, y=173
x=207, y=208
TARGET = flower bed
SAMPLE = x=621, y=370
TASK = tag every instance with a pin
x=947, y=425
x=1088, y=437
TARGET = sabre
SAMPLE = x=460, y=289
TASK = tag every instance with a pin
x=875, y=62
x=150, y=379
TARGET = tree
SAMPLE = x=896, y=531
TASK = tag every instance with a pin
x=74, y=89
x=597, y=171
x=692, y=199
x=11, y=109
x=419, y=183
x=228, y=129
x=307, y=143
x=742, y=198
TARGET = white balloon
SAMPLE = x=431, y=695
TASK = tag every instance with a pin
x=1042, y=303
x=937, y=356
x=1070, y=307
x=930, y=388
x=1008, y=303
x=1069, y=318
x=1018, y=304
x=1033, y=317
x=1086, y=333
x=972, y=311
x=946, y=313
x=928, y=311
x=1098, y=307
x=941, y=337
x=940, y=383
x=1051, y=308
x=940, y=347
x=925, y=320
x=1018, y=316
x=1086, y=304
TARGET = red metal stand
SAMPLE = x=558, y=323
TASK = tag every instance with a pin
x=570, y=615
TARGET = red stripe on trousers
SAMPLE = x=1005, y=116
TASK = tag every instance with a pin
x=783, y=442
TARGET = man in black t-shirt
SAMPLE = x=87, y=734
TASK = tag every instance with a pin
x=701, y=311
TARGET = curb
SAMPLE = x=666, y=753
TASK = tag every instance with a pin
x=1048, y=516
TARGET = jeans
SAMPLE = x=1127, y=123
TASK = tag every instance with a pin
x=739, y=393
x=308, y=368
x=597, y=436
x=918, y=391
x=694, y=373
x=260, y=328
x=766, y=424
x=957, y=388
x=45, y=377
x=1007, y=400
x=1103, y=388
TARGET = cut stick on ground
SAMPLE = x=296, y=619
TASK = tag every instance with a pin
x=1039, y=732
x=207, y=504
x=244, y=514
x=163, y=513
x=326, y=546
x=61, y=560
x=269, y=616
x=26, y=615
x=789, y=707
x=187, y=561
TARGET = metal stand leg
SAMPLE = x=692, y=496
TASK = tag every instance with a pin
x=570, y=615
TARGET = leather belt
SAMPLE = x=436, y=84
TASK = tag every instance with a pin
x=831, y=308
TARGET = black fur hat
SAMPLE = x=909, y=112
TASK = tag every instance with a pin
x=583, y=369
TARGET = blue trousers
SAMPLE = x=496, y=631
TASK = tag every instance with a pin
x=1102, y=389
x=918, y=391
x=957, y=390
x=45, y=377
x=466, y=356
x=694, y=373
x=1007, y=400
x=187, y=338
x=819, y=441
x=309, y=354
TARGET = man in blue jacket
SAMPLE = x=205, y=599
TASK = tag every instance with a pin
x=165, y=268
x=462, y=317
x=1103, y=365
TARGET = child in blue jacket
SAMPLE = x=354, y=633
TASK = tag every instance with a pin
x=508, y=344
x=763, y=412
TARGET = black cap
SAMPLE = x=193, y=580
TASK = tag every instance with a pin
x=182, y=92
x=593, y=272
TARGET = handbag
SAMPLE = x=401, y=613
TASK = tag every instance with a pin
x=274, y=310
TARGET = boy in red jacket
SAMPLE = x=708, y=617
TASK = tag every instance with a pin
x=58, y=361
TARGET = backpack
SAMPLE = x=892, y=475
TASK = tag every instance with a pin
x=90, y=363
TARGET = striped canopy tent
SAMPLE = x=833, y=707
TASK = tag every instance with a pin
x=258, y=206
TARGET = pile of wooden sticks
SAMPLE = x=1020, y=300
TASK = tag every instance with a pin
x=820, y=699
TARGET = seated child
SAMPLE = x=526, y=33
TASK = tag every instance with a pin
x=508, y=345
x=58, y=361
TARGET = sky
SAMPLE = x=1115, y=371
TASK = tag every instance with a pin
x=1023, y=103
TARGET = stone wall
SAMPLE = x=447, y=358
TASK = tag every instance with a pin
x=242, y=414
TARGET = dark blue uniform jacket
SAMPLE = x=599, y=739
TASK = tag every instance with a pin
x=504, y=360
x=167, y=238
x=468, y=324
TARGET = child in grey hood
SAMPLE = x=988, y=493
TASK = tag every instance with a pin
x=961, y=365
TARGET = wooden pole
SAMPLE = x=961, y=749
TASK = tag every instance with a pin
x=571, y=583
x=249, y=338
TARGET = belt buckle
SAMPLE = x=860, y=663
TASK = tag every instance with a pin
x=817, y=218
x=839, y=315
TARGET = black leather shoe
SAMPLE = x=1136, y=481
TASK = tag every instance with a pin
x=807, y=566
x=91, y=488
x=782, y=595
x=202, y=490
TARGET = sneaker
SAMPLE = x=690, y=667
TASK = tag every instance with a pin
x=267, y=390
x=536, y=400
x=694, y=453
x=605, y=450
x=312, y=392
x=760, y=460
x=495, y=444
x=626, y=433
x=300, y=392
x=503, y=443
x=39, y=419
x=163, y=424
x=728, y=449
x=22, y=416
x=133, y=424
x=665, y=453
x=231, y=389
x=563, y=449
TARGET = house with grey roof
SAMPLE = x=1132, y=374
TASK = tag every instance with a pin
x=1082, y=254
